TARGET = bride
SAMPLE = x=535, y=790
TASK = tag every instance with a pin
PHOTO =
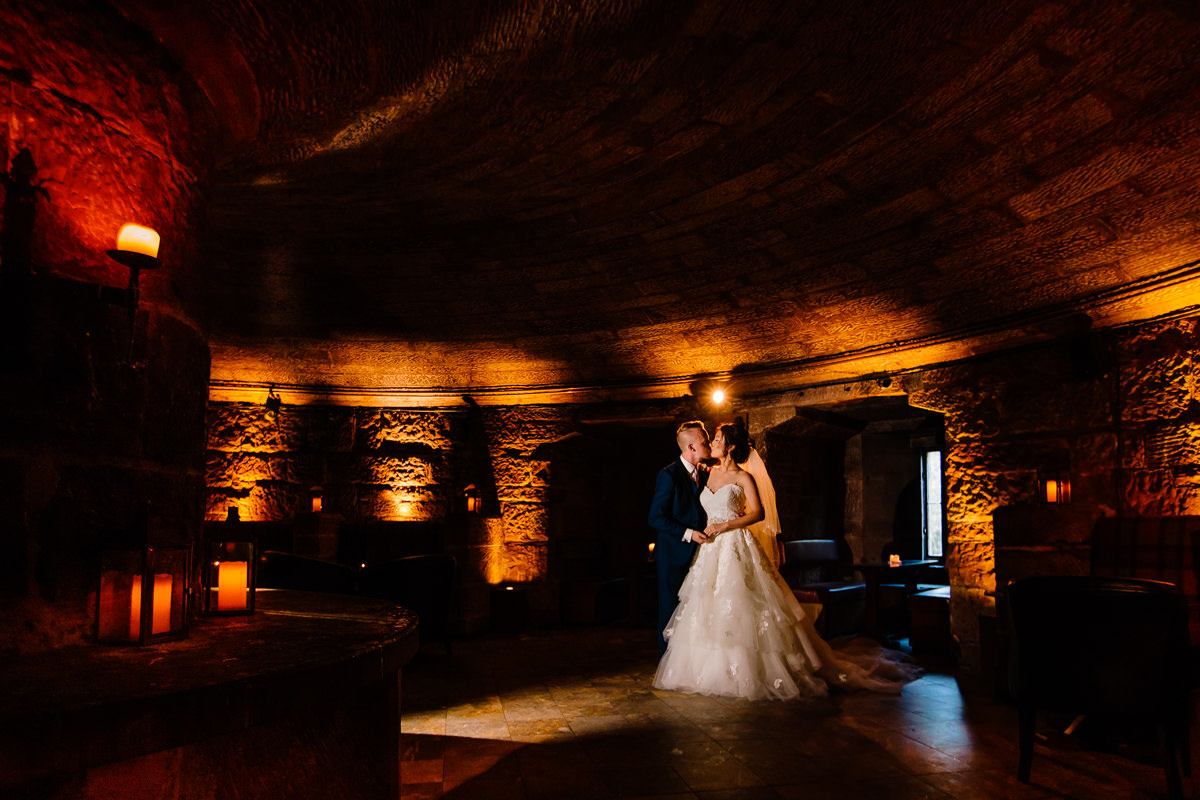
x=738, y=630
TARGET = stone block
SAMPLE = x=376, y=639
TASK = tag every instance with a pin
x=388, y=471
x=524, y=522
x=525, y=562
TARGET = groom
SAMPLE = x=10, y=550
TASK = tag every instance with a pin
x=678, y=517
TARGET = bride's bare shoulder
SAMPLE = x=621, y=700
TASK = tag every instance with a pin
x=746, y=480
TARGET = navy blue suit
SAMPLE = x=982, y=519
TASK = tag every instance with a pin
x=675, y=508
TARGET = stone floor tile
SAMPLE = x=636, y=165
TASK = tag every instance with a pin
x=503, y=715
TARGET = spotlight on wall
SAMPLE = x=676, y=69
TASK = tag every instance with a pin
x=718, y=396
x=137, y=248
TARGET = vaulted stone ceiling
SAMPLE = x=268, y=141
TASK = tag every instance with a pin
x=546, y=199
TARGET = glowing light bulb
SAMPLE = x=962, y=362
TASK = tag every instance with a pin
x=718, y=396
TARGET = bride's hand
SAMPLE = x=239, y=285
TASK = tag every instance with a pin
x=715, y=528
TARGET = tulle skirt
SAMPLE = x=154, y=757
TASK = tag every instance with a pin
x=738, y=631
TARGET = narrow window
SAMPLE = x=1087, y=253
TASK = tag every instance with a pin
x=931, y=505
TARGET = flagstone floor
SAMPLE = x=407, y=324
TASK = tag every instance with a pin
x=570, y=713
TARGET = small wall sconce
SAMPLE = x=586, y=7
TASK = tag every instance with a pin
x=143, y=595
x=274, y=404
x=718, y=396
x=1054, y=486
x=229, y=572
x=474, y=501
x=316, y=499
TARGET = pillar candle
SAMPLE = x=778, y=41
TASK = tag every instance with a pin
x=135, y=608
x=162, y=604
x=231, y=585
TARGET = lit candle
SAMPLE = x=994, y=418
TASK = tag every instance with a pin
x=316, y=503
x=894, y=559
x=1051, y=491
x=135, y=609
x=652, y=548
x=136, y=239
x=232, y=585
x=162, y=604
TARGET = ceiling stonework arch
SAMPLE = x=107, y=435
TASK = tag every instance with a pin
x=543, y=201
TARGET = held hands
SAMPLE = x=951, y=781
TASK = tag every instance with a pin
x=699, y=537
x=714, y=529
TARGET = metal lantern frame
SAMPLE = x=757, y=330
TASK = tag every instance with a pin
x=142, y=597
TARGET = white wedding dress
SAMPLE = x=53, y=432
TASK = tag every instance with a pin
x=738, y=630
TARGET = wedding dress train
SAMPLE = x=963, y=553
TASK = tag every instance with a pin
x=738, y=630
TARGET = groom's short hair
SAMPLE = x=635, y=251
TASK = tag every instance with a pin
x=681, y=432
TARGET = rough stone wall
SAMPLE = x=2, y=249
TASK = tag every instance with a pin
x=522, y=475
x=1159, y=406
x=371, y=464
x=1118, y=408
x=103, y=409
x=381, y=465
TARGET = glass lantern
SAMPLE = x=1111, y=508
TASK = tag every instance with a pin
x=143, y=595
x=229, y=571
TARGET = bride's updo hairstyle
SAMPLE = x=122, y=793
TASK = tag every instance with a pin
x=737, y=441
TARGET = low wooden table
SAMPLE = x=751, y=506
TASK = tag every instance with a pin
x=876, y=573
x=280, y=701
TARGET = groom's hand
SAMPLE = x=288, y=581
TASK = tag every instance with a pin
x=700, y=537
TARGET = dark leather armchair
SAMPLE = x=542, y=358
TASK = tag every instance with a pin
x=1116, y=648
x=813, y=569
x=422, y=583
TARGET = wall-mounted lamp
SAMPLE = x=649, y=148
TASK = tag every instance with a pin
x=137, y=248
x=317, y=503
x=718, y=396
x=274, y=404
x=474, y=501
x=1054, y=486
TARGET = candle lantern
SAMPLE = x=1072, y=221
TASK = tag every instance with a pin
x=315, y=493
x=1054, y=486
x=229, y=569
x=473, y=499
x=143, y=595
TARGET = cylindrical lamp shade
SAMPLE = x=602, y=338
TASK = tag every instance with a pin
x=142, y=597
x=229, y=573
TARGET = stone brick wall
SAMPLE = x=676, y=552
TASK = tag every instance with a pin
x=393, y=465
x=370, y=464
x=1118, y=407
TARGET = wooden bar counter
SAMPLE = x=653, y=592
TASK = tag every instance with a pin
x=300, y=699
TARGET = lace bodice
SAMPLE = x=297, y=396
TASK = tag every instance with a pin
x=726, y=503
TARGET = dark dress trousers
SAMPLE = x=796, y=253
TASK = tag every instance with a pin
x=675, y=508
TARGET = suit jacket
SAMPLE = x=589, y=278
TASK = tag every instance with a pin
x=675, y=508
